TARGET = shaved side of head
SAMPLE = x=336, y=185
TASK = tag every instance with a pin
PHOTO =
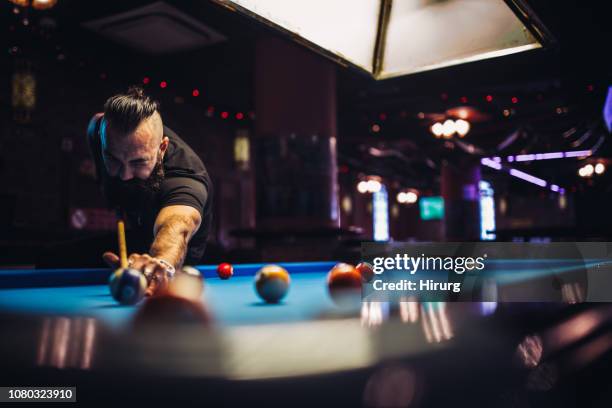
x=124, y=112
x=157, y=126
x=132, y=136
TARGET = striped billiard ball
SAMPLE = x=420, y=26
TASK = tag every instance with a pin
x=272, y=283
x=127, y=286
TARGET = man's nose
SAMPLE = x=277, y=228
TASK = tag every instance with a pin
x=126, y=173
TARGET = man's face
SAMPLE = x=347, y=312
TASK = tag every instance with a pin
x=133, y=155
x=134, y=163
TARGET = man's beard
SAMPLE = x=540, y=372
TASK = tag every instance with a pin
x=135, y=194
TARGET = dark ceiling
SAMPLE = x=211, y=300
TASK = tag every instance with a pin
x=572, y=77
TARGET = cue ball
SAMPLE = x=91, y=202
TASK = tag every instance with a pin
x=127, y=286
x=191, y=272
x=366, y=271
x=225, y=270
x=272, y=283
x=344, y=284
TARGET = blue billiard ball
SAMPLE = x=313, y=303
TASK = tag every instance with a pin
x=127, y=286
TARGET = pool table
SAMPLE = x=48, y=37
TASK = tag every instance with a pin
x=62, y=327
x=232, y=302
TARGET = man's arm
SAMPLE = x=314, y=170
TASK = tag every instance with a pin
x=174, y=227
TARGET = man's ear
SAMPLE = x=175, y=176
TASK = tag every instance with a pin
x=164, y=144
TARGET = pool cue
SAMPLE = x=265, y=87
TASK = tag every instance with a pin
x=123, y=260
x=122, y=244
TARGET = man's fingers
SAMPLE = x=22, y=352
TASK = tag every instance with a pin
x=154, y=271
x=137, y=261
x=152, y=265
x=152, y=288
x=149, y=267
x=111, y=259
x=158, y=280
x=157, y=283
x=131, y=259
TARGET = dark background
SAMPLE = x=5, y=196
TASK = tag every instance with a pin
x=46, y=173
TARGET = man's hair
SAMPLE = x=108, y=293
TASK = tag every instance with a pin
x=124, y=112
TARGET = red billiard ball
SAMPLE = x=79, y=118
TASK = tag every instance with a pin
x=344, y=284
x=225, y=270
x=272, y=283
x=366, y=271
x=127, y=286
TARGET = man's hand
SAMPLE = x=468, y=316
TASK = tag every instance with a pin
x=174, y=227
x=153, y=269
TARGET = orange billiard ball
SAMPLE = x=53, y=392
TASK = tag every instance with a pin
x=366, y=271
x=225, y=270
x=344, y=284
x=272, y=283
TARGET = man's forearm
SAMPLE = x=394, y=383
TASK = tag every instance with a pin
x=171, y=240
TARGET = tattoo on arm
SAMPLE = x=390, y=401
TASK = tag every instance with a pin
x=172, y=237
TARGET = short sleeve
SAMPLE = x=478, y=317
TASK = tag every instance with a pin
x=184, y=191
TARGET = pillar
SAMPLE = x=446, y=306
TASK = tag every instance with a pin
x=459, y=185
x=295, y=138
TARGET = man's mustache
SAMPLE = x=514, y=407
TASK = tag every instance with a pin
x=134, y=193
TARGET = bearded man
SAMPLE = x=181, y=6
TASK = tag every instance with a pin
x=156, y=180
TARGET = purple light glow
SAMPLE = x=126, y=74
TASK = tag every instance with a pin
x=547, y=156
x=525, y=157
x=578, y=153
x=607, y=111
x=528, y=177
x=543, y=156
x=490, y=163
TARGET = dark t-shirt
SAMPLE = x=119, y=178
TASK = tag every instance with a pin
x=186, y=182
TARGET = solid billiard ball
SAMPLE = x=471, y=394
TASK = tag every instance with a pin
x=191, y=272
x=225, y=270
x=272, y=283
x=127, y=286
x=366, y=271
x=167, y=310
x=344, y=284
x=180, y=303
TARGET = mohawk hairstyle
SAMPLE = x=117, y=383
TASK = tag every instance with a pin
x=124, y=112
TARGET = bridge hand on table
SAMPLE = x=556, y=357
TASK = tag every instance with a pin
x=154, y=270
